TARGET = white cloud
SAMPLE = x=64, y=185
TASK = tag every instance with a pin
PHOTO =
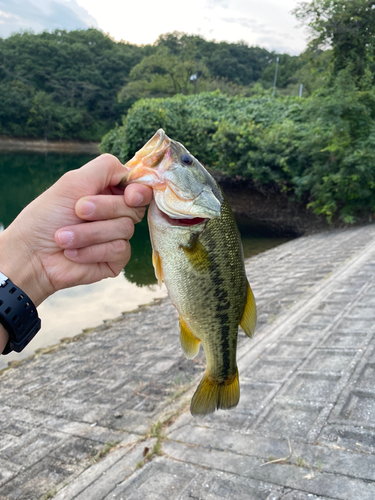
x=268, y=24
x=40, y=15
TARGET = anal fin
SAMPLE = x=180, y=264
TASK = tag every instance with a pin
x=189, y=343
x=249, y=318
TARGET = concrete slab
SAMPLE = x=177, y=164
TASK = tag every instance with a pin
x=89, y=421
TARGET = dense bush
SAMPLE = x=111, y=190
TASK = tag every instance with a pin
x=319, y=150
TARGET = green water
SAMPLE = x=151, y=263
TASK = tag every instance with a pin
x=23, y=176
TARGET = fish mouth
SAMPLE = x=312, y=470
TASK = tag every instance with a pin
x=196, y=221
x=204, y=206
x=176, y=222
x=152, y=153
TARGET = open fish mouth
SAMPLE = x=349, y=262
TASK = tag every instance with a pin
x=183, y=189
x=176, y=222
x=185, y=222
x=151, y=154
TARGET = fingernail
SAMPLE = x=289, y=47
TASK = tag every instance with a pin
x=70, y=253
x=137, y=199
x=65, y=237
x=87, y=208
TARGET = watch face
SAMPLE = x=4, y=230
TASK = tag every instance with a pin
x=3, y=279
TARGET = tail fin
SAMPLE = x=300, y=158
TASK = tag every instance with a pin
x=212, y=394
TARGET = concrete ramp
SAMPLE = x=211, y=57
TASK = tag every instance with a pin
x=107, y=416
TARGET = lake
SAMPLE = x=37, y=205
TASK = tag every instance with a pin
x=23, y=176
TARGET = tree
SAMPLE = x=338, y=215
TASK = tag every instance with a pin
x=347, y=26
x=288, y=65
x=234, y=62
x=164, y=74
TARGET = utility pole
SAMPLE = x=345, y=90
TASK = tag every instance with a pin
x=274, y=82
x=300, y=90
x=196, y=76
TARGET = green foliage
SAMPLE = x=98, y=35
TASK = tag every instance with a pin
x=336, y=164
x=62, y=84
x=164, y=74
x=78, y=84
x=234, y=62
x=348, y=26
x=318, y=150
x=231, y=68
x=288, y=66
x=315, y=70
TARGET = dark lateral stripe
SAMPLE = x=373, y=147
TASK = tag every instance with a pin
x=223, y=309
x=221, y=314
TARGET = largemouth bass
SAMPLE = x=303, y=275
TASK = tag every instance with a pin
x=197, y=252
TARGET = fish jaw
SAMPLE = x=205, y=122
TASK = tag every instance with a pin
x=163, y=220
x=181, y=190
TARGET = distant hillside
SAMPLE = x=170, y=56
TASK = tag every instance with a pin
x=78, y=84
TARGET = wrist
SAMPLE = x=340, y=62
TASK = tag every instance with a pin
x=19, y=263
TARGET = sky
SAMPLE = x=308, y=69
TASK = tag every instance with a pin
x=267, y=23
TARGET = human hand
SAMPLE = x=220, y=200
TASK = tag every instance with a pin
x=76, y=232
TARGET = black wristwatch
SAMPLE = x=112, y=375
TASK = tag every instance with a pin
x=18, y=315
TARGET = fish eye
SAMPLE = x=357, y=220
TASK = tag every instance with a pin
x=188, y=160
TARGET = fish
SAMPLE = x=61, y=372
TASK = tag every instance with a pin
x=197, y=253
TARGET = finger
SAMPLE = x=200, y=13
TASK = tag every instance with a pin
x=104, y=207
x=114, y=252
x=94, y=233
x=97, y=175
x=137, y=195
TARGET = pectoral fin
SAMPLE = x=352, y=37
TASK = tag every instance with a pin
x=249, y=317
x=189, y=343
x=198, y=256
x=156, y=261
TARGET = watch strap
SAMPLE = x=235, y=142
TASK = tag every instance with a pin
x=18, y=315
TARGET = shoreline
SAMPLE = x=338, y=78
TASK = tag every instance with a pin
x=271, y=213
x=12, y=144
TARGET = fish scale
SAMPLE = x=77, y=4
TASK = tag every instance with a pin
x=201, y=263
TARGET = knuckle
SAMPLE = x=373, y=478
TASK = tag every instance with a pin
x=118, y=247
x=116, y=207
x=127, y=229
x=118, y=264
x=139, y=214
x=108, y=158
x=69, y=176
